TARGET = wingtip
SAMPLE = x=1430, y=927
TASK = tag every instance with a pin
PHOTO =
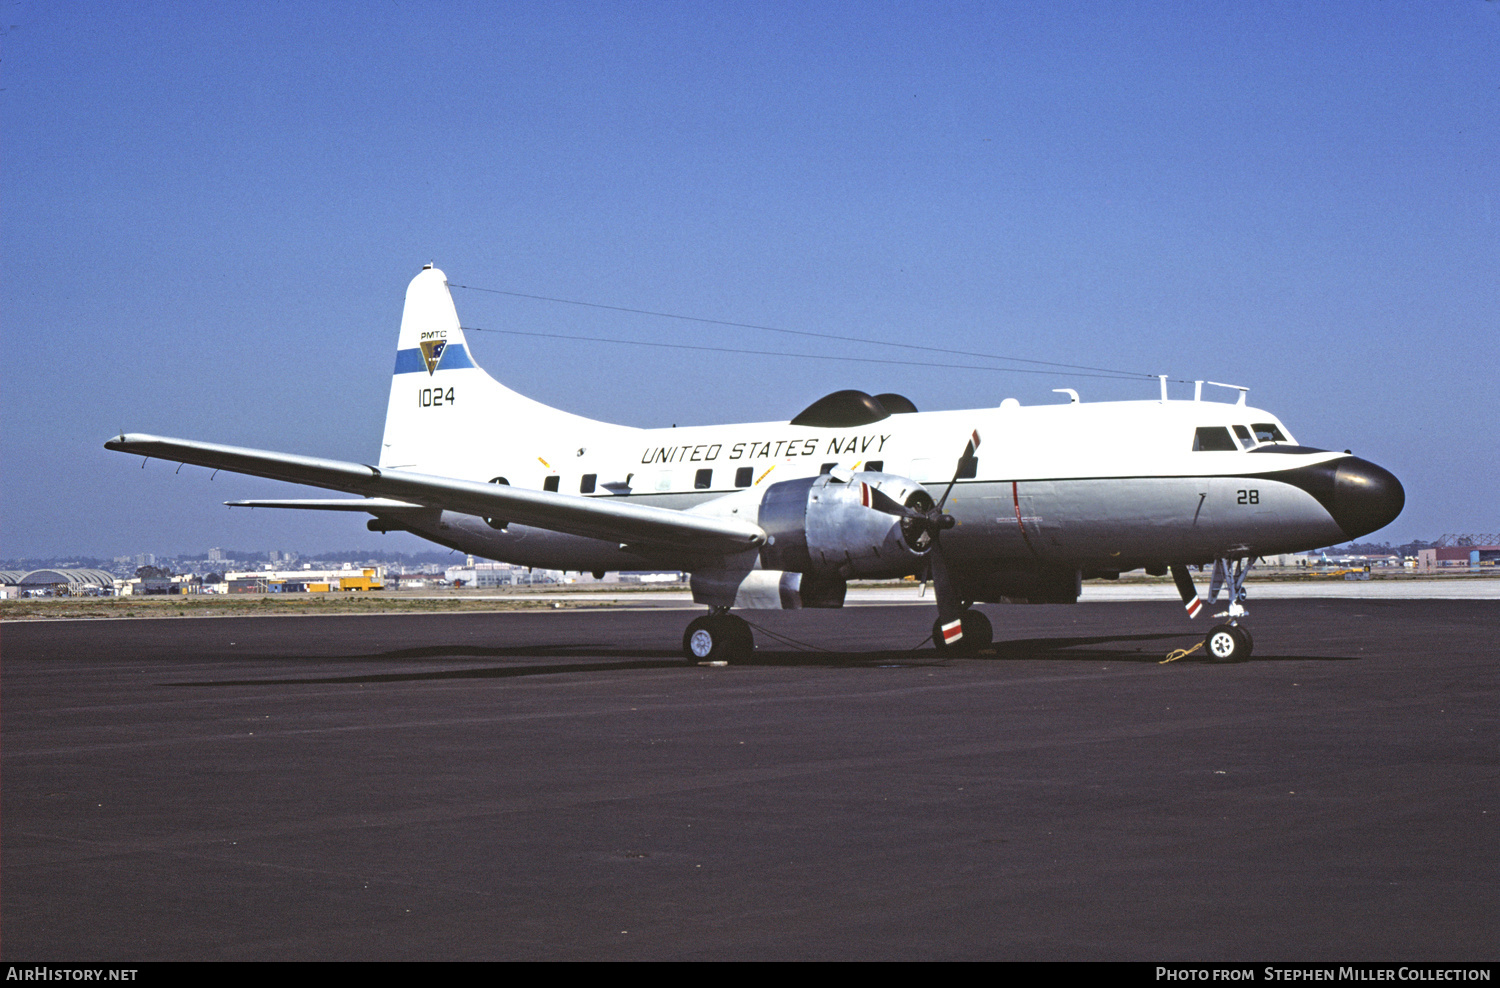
x=127, y=439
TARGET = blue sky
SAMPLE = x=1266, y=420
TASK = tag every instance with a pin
x=209, y=214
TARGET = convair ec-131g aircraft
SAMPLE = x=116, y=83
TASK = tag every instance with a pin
x=1009, y=503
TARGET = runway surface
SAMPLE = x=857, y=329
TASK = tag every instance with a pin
x=560, y=785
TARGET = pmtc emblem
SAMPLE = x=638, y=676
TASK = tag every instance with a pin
x=432, y=353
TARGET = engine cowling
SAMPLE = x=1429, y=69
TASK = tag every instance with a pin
x=766, y=589
x=844, y=527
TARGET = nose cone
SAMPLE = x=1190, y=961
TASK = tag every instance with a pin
x=1366, y=497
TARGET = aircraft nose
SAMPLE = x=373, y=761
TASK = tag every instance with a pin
x=1366, y=497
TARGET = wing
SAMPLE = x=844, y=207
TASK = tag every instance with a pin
x=592, y=517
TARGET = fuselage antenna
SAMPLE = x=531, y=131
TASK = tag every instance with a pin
x=1238, y=387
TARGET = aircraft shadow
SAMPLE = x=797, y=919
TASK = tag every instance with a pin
x=1089, y=649
x=1095, y=648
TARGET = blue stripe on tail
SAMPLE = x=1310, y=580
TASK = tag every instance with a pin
x=454, y=358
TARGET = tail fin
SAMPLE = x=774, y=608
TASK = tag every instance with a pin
x=449, y=418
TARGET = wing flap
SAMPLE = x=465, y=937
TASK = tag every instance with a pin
x=592, y=517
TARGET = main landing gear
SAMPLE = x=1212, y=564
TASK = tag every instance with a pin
x=974, y=632
x=718, y=637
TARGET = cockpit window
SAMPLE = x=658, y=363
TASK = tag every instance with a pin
x=1246, y=440
x=1213, y=438
x=1267, y=432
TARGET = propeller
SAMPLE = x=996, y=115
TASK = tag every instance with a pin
x=922, y=522
x=949, y=604
x=921, y=519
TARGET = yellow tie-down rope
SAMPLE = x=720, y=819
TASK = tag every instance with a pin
x=1181, y=653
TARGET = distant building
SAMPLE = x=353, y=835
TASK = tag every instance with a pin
x=60, y=580
x=306, y=580
x=485, y=574
x=1457, y=557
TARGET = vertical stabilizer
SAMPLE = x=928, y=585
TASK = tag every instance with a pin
x=448, y=417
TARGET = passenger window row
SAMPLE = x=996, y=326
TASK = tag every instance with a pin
x=703, y=480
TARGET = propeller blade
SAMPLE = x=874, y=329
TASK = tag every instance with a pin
x=949, y=604
x=969, y=449
x=881, y=501
x=1187, y=590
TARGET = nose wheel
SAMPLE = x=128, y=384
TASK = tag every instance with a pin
x=718, y=638
x=1228, y=643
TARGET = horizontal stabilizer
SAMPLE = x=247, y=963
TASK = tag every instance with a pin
x=603, y=518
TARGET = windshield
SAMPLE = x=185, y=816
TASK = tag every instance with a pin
x=1267, y=432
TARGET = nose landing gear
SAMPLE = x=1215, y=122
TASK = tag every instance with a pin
x=1228, y=642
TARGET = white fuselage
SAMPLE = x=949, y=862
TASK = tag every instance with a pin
x=1107, y=485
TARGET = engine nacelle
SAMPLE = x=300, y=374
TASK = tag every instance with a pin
x=766, y=589
x=845, y=527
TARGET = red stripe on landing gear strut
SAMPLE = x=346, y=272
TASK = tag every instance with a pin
x=953, y=631
x=1194, y=606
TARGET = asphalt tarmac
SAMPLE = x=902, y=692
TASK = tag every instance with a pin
x=562, y=786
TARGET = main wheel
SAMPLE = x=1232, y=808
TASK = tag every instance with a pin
x=717, y=638
x=975, y=633
x=977, y=629
x=1227, y=643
